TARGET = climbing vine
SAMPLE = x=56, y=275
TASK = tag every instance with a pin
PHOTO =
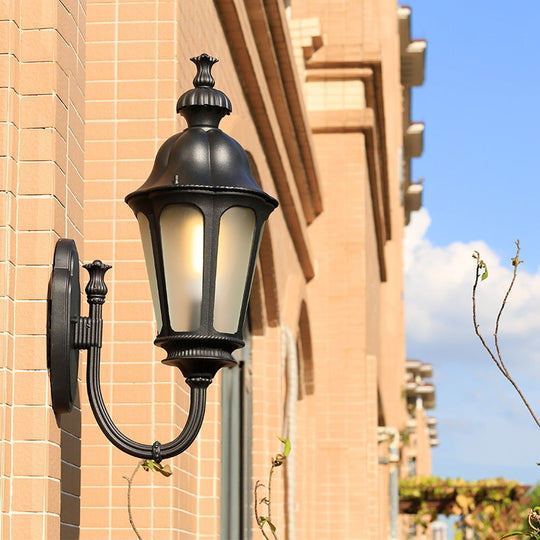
x=264, y=520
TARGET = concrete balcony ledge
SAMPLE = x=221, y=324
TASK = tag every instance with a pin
x=413, y=140
x=426, y=370
x=413, y=62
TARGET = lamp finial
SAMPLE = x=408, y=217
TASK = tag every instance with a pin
x=204, y=63
x=204, y=94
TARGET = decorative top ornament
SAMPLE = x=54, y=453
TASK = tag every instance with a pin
x=204, y=92
x=204, y=64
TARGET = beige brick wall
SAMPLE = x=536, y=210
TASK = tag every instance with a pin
x=131, y=90
x=104, y=77
x=345, y=403
x=137, y=66
x=41, y=198
x=358, y=326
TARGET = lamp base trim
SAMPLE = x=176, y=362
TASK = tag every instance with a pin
x=199, y=362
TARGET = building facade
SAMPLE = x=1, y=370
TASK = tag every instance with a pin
x=321, y=96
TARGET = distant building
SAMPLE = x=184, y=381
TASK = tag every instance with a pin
x=420, y=433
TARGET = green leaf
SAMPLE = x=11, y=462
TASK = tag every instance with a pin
x=287, y=448
x=263, y=520
x=151, y=465
x=484, y=266
x=148, y=465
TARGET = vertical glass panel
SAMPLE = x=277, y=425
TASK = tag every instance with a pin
x=182, y=237
x=144, y=228
x=234, y=248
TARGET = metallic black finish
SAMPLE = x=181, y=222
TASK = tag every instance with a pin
x=68, y=332
x=87, y=334
x=96, y=291
x=204, y=167
x=63, y=309
x=201, y=157
x=204, y=92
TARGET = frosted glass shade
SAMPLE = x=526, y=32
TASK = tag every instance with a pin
x=235, y=242
x=146, y=238
x=182, y=238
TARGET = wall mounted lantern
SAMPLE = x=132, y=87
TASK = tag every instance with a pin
x=201, y=216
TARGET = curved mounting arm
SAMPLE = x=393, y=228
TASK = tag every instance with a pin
x=68, y=332
x=96, y=291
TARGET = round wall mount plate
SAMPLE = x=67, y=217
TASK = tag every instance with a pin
x=64, y=301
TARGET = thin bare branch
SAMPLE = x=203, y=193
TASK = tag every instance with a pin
x=277, y=461
x=479, y=270
x=498, y=358
x=516, y=262
x=270, y=497
x=130, y=482
x=256, y=503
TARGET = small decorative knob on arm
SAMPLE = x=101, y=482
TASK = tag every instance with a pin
x=96, y=289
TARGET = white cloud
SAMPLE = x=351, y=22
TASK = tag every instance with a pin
x=439, y=287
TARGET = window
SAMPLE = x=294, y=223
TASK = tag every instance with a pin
x=411, y=466
x=236, y=412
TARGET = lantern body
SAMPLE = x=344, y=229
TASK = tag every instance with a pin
x=201, y=249
x=201, y=215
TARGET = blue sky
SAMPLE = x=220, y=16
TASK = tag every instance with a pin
x=481, y=106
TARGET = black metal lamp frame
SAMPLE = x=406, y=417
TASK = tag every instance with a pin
x=68, y=332
x=219, y=181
